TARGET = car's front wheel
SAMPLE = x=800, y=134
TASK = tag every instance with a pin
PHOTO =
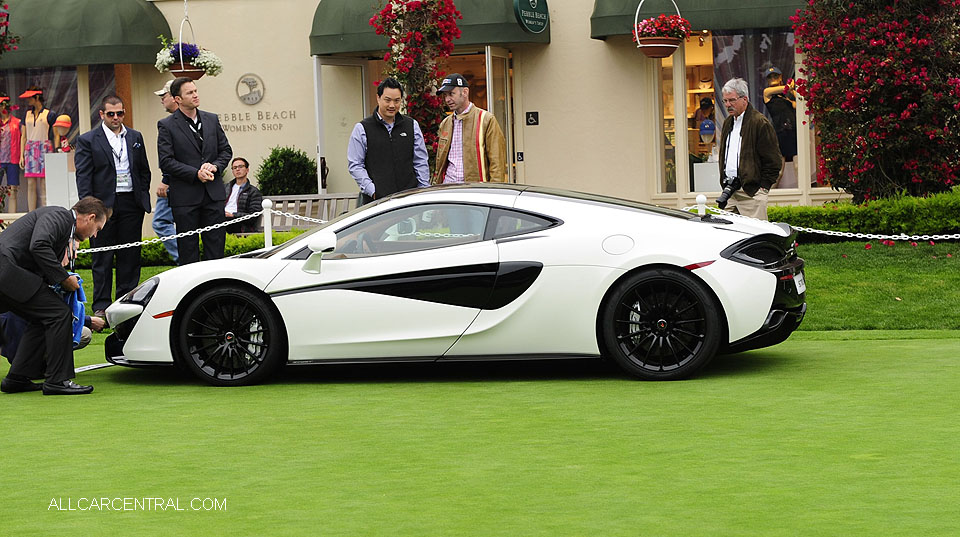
x=661, y=324
x=230, y=336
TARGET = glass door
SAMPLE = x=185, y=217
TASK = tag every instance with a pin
x=500, y=99
x=341, y=95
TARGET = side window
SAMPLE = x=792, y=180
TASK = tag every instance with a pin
x=409, y=229
x=506, y=223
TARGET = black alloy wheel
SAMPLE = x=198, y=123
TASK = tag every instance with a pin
x=231, y=337
x=661, y=324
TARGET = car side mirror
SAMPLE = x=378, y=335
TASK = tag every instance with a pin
x=322, y=242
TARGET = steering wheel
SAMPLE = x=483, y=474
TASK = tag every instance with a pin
x=364, y=243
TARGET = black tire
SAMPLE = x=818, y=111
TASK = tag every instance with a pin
x=231, y=337
x=661, y=324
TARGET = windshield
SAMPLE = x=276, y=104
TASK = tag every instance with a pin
x=276, y=249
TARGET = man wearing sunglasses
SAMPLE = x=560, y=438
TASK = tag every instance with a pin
x=112, y=166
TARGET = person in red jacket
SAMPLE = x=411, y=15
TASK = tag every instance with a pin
x=9, y=151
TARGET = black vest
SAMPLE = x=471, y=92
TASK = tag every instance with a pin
x=389, y=158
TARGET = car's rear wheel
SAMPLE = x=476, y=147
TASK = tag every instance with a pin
x=230, y=337
x=661, y=324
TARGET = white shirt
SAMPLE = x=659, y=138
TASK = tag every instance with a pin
x=231, y=206
x=732, y=158
x=121, y=160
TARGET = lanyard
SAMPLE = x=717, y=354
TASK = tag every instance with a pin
x=71, y=254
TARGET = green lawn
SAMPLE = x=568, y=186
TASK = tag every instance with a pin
x=836, y=432
x=821, y=435
x=900, y=287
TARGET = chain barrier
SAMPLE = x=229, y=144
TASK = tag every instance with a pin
x=847, y=234
x=170, y=237
x=299, y=217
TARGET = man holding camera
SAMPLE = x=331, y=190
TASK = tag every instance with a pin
x=750, y=159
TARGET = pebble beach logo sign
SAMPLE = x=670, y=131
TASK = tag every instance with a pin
x=532, y=15
x=250, y=89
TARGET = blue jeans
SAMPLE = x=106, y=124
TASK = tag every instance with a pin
x=163, y=226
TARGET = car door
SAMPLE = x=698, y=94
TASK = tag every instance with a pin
x=401, y=285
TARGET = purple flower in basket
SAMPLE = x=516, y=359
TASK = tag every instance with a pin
x=187, y=50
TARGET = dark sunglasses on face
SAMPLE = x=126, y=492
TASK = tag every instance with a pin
x=114, y=114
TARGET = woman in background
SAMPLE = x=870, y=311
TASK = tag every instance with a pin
x=35, y=141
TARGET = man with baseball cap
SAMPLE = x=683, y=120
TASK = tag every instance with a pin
x=471, y=146
x=163, y=224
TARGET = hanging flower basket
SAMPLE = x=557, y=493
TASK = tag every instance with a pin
x=658, y=47
x=188, y=70
x=659, y=37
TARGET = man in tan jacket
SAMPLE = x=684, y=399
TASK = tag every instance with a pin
x=471, y=147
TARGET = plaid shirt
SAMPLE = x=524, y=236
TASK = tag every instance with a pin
x=455, y=157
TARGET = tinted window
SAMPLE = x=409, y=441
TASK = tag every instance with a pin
x=409, y=229
x=505, y=223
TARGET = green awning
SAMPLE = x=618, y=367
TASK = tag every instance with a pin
x=615, y=17
x=343, y=26
x=58, y=33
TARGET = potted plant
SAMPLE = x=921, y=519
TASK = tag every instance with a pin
x=187, y=59
x=659, y=37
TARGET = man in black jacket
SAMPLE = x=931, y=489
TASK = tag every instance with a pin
x=112, y=167
x=194, y=152
x=242, y=198
x=31, y=250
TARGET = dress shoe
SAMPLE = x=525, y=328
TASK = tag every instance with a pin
x=66, y=387
x=9, y=385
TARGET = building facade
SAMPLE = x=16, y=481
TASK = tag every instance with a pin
x=582, y=108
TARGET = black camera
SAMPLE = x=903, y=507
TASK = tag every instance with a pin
x=730, y=185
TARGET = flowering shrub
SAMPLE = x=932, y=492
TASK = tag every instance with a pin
x=663, y=26
x=171, y=53
x=882, y=81
x=421, y=34
x=8, y=41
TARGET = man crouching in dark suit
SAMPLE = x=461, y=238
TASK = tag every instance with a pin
x=31, y=250
x=194, y=152
x=112, y=167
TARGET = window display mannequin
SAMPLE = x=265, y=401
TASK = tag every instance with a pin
x=35, y=142
x=60, y=130
x=9, y=152
x=781, y=101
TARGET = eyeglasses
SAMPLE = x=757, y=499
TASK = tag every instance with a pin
x=731, y=101
x=114, y=114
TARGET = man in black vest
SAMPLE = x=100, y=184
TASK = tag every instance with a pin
x=386, y=153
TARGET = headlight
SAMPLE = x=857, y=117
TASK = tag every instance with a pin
x=142, y=294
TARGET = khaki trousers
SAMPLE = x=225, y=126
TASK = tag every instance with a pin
x=753, y=206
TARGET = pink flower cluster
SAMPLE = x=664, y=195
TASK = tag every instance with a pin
x=663, y=26
x=8, y=41
x=883, y=87
x=420, y=33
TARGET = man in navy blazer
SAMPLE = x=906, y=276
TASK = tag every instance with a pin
x=194, y=152
x=112, y=167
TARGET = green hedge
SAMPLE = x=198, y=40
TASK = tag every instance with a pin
x=937, y=214
x=154, y=254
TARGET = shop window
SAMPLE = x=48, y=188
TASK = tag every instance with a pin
x=710, y=59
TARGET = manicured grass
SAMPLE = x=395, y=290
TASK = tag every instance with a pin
x=900, y=287
x=821, y=435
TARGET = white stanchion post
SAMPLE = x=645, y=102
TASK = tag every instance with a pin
x=701, y=204
x=267, y=222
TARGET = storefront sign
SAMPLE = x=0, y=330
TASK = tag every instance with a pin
x=256, y=121
x=250, y=89
x=532, y=15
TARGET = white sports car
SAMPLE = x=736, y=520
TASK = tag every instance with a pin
x=476, y=272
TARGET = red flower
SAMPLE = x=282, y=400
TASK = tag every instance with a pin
x=868, y=246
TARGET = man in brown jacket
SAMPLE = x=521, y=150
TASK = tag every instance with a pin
x=471, y=147
x=748, y=151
